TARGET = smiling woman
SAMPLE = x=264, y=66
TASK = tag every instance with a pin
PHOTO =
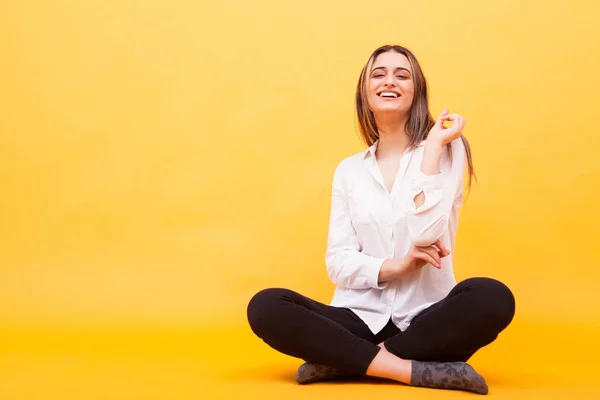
x=410, y=85
x=397, y=311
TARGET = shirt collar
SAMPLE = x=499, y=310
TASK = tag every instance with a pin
x=370, y=152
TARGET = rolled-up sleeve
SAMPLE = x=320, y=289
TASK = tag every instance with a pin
x=428, y=222
x=347, y=265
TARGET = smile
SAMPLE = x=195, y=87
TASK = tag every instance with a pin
x=389, y=95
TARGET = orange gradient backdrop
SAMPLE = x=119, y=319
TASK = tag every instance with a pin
x=161, y=161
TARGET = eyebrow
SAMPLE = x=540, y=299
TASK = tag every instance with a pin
x=397, y=68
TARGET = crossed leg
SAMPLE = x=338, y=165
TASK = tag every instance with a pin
x=336, y=342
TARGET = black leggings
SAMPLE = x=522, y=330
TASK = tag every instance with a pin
x=472, y=315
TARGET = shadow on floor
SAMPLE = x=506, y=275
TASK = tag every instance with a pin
x=286, y=374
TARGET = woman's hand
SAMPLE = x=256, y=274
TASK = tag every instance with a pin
x=440, y=135
x=419, y=256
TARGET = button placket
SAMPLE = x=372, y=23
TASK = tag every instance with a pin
x=391, y=226
x=391, y=296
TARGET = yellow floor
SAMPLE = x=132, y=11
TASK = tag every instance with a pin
x=529, y=361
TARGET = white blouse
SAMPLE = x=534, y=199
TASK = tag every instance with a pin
x=368, y=225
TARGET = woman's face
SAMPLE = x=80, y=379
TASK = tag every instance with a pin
x=390, y=84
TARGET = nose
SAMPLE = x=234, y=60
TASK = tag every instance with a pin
x=389, y=80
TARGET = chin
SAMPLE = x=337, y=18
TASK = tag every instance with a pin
x=387, y=110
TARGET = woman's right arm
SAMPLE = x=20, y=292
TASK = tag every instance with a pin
x=347, y=265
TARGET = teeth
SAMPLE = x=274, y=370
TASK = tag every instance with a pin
x=388, y=94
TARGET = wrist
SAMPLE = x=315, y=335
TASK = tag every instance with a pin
x=399, y=266
x=432, y=154
x=390, y=269
x=434, y=145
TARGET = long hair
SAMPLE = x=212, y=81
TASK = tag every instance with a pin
x=419, y=121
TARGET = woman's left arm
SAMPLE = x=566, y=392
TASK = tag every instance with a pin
x=433, y=192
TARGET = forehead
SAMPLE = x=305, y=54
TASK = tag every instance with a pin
x=391, y=60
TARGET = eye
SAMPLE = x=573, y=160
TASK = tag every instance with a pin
x=401, y=76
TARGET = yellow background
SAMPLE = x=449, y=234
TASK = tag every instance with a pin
x=161, y=161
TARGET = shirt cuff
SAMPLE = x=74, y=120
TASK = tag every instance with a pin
x=431, y=186
x=372, y=270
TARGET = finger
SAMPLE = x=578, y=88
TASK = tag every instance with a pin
x=432, y=252
x=428, y=259
x=460, y=120
x=457, y=124
x=443, y=114
x=452, y=117
x=461, y=124
x=440, y=246
x=436, y=256
x=443, y=250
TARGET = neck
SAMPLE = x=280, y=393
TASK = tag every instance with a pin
x=392, y=135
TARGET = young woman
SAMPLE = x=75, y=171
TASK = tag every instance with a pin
x=397, y=311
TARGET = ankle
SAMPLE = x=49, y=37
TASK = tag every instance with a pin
x=389, y=366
